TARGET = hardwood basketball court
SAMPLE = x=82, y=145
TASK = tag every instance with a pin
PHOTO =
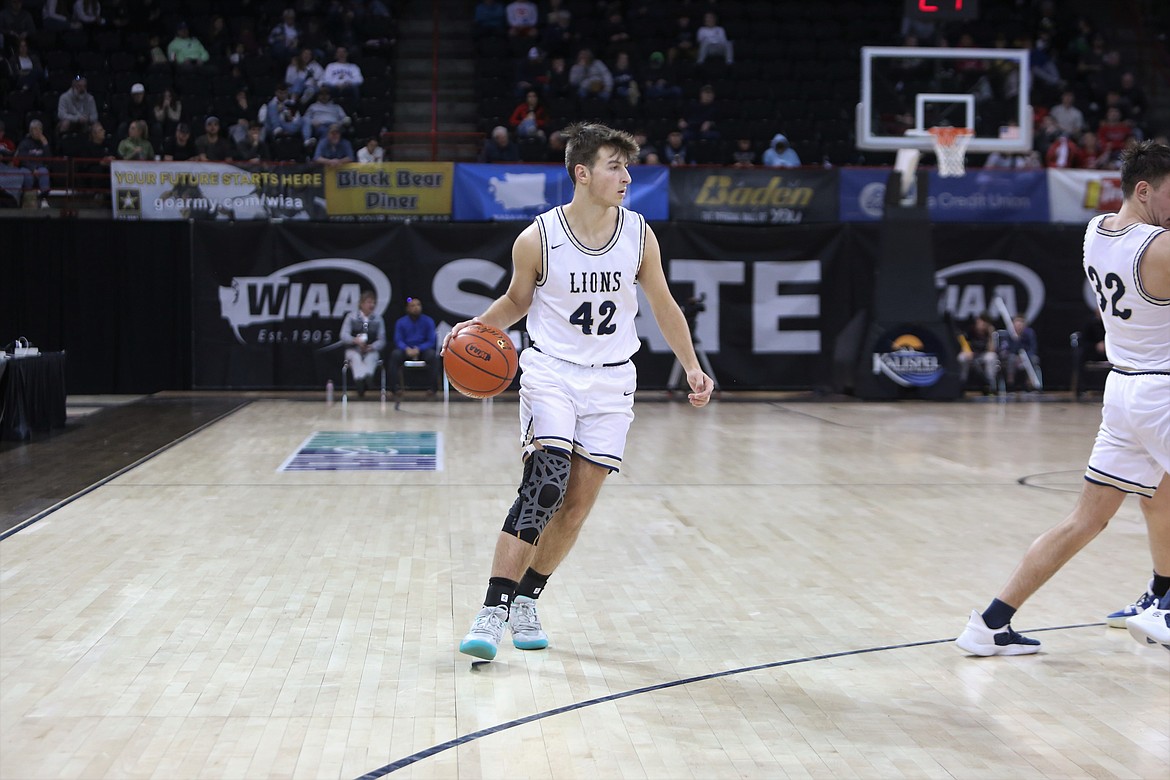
x=767, y=589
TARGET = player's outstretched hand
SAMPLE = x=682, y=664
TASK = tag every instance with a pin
x=458, y=326
x=702, y=385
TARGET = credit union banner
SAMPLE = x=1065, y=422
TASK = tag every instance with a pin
x=381, y=191
x=1078, y=196
x=216, y=191
x=978, y=196
x=505, y=193
x=753, y=196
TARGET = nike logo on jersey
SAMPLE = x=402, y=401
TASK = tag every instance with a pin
x=629, y=393
x=557, y=246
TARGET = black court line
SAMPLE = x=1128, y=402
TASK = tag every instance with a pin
x=466, y=738
x=1026, y=481
x=105, y=480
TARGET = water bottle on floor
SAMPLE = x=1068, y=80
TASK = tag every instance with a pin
x=329, y=392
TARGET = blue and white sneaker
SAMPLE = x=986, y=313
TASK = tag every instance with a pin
x=1152, y=627
x=1141, y=604
x=525, y=624
x=483, y=639
x=978, y=639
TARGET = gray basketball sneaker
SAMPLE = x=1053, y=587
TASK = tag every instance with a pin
x=486, y=631
x=525, y=624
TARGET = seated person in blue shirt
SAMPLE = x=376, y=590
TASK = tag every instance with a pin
x=414, y=339
x=333, y=149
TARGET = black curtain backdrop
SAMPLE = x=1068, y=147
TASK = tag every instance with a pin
x=138, y=312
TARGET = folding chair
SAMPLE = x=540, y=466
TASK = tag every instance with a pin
x=346, y=368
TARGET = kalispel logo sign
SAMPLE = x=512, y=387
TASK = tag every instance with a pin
x=909, y=357
x=300, y=303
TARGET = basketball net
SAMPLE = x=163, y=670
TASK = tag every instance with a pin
x=950, y=147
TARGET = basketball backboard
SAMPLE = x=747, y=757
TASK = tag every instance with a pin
x=907, y=90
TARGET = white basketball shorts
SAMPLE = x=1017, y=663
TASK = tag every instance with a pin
x=576, y=409
x=1132, y=451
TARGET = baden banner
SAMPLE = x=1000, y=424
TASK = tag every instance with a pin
x=502, y=193
x=216, y=191
x=978, y=196
x=1078, y=196
x=380, y=191
x=753, y=196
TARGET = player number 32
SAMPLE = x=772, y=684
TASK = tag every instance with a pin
x=583, y=318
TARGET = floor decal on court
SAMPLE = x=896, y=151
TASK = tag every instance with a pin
x=368, y=451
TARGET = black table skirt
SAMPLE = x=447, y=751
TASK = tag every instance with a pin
x=32, y=395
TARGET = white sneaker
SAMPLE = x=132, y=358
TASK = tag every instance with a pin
x=1140, y=604
x=486, y=631
x=978, y=639
x=1152, y=627
x=525, y=624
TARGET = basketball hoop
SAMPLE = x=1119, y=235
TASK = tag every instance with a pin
x=950, y=147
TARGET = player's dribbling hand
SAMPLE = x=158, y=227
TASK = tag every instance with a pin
x=702, y=385
x=458, y=326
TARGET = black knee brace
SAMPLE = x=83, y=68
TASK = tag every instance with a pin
x=541, y=493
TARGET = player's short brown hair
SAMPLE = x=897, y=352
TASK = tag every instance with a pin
x=1143, y=161
x=584, y=139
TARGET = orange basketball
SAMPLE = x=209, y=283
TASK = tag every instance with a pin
x=481, y=361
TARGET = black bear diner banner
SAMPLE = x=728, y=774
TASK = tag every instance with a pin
x=268, y=299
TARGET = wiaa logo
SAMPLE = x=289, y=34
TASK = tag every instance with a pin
x=478, y=352
x=967, y=289
x=908, y=359
x=279, y=297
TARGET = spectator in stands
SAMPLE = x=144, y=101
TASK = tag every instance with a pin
x=185, y=51
x=522, y=17
x=211, y=146
x=135, y=109
x=1046, y=77
x=136, y=145
x=590, y=76
x=531, y=73
x=683, y=47
x=556, y=148
x=675, y=152
x=304, y=76
x=744, y=154
x=558, y=38
x=157, y=55
x=1046, y=133
x=51, y=17
x=280, y=116
x=780, y=155
x=1067, y=116
x=558, y=85
x=238, y=116
x=1018, y=161
x=88, y=13
x=76, y=108
x=1016, y=351
x=219, y=43
x=1064, y=153
x=614, y=32
x=333, y=149
x=647, y=151
x=1134, y=97
x=701, y=122
x=658, y=80
x=712, y=39
x=25, y=66
x=96, y=151
x=168, y=112
x=30, y=154
x=500, y=148
x=321, y=114
x=529, y=117
x=180, y=146
x=979, y=347
x=343, y=77
x=16, y=24
x=1093, y=156
x=490, y=18
x=625, y=81
x=372, y=151
x=253, y=148
x=316, y=39
x=284, y=40
x=1114, y=133
x=7, y=145
x=414, y=339
x=363, y=333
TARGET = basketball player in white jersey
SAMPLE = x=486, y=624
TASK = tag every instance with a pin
x=1127, y=260
x=574, y=275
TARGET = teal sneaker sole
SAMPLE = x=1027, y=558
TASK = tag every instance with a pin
x=529, y=644
x=479, y=649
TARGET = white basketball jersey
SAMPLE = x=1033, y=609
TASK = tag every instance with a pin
x=1137, y=325
x=585, y=302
